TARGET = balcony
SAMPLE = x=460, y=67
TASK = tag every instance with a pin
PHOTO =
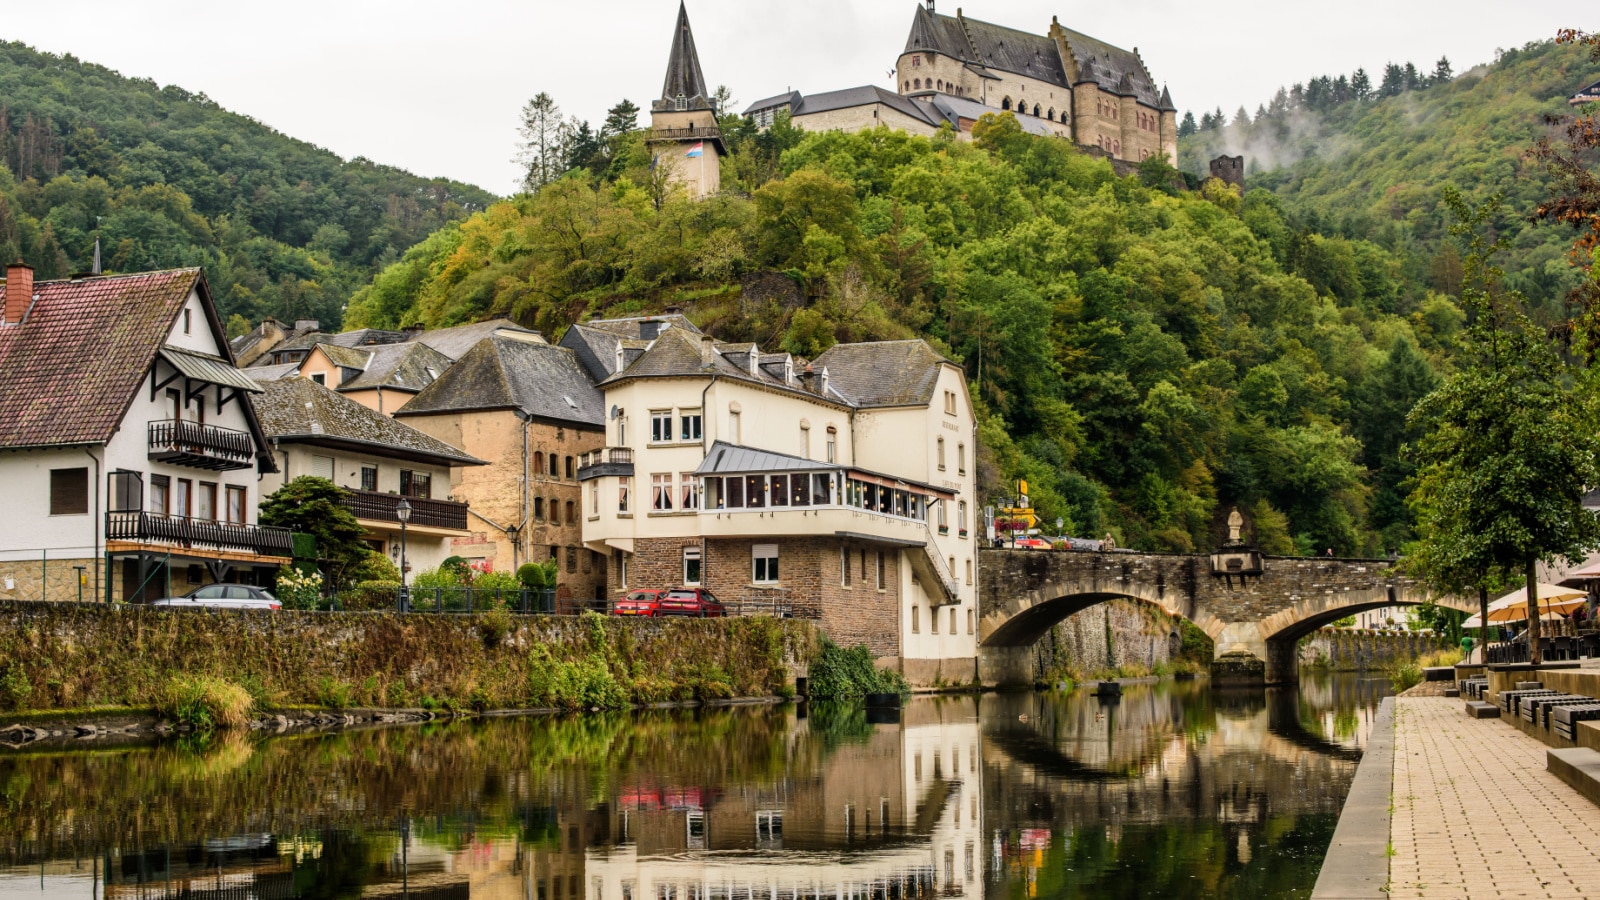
x=201, y=446
x=180, y=531
x=604, y=462
x=689, y=133
x=373, y=506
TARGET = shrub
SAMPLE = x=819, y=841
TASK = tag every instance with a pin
x=1405, y=676
x=15, y=688
x=494, y=625
x=586, y=683
x=298, y=590
x=374, y=567
x=333, y=693
x=370, y=595
x=838, y=672
x=538, y=576
x=205, y=702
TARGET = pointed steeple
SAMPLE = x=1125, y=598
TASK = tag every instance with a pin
x=685, y=85
x=1166, y=100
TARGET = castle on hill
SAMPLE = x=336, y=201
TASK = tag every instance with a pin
x=953, y=70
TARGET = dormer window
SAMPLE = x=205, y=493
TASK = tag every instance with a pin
x=788, y=369
x=680, y=102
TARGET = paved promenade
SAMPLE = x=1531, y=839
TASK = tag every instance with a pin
x=1476, y=814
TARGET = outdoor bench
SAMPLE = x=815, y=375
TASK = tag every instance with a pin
x=1565, y=719
x=1537, y=709
x=1509, y=699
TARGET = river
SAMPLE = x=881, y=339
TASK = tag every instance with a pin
x=1171, y=791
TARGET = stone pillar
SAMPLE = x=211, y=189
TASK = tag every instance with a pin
x=1006, y=667
x=1283, y=662
x=1169, y=136
x=1128, y=126
x=1240, y=657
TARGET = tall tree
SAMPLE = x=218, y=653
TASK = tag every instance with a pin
x=1441, y=71
x=1360, y=84
x=1509, y=446
x=1187, y=126
x=620, y=119
x=542, y=152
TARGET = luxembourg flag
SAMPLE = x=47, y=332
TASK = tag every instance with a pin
x=697, y=150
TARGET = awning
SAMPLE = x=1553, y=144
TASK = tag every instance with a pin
x=210, y=369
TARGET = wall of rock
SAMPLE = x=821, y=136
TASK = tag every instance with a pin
x=1118, y=634
x=1343, y=650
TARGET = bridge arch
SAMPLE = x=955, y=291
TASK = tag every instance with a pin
x=1024, y=619
x=1309, y=614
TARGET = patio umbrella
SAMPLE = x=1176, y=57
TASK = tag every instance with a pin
x=1583, y=574
x=1513, y=607
x=1553, y=616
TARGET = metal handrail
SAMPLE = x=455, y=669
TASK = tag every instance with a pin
x=183, y=436
x=190, y=532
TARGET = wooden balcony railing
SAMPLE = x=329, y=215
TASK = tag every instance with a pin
x=372, y=505
x=182, y=531
x=605, y=461
x=201, y=446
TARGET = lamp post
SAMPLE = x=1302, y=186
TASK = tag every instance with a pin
x=402, y=511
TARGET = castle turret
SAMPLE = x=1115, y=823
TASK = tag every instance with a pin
x=1169, y=127
x=684, y=137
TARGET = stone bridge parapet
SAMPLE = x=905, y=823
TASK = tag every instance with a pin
x=1263, y=614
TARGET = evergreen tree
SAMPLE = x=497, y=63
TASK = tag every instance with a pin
x=543, y=150
x=1394, y=81
x=1441, y=70
x=1207, y=121
x=1241, y=118
x=1187, y=126
x=620, y=120
x=1413, y=79
x=1360, y=85
x=584, y=148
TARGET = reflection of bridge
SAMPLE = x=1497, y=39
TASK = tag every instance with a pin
x=1256, y=612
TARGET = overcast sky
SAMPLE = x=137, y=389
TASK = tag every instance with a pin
x=435, y=87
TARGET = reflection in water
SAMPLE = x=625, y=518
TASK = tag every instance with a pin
x=1170, y=792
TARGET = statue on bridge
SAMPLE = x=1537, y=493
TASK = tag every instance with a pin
x=1235, y=524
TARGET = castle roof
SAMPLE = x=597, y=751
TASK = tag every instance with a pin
x=514, y=371
x=684, y=78
x=952, y=109
x=865, y=95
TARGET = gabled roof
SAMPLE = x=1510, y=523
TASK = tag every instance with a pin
x=678, y=354
x=865, y=95
x=298, y=410
x=1111, y=65
x=789, y=99
x=456, y=340
x=361, y=337
x=260, y=374
x=986, y=44
x=684, y=78
x=595, y=342
x=411, y=366
x=1587, y=95
x=882, y=373
x=343, y=357
x=75, y=362
x=507, y=371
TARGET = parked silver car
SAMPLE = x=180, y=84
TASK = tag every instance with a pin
x=224, y=596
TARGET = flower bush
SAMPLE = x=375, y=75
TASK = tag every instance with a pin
x=299, y=590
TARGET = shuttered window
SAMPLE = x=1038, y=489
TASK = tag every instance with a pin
x=69, y=492
x=322, y=467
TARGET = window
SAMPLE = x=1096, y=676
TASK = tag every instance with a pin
x=940, y=455
x=571, y=469
x=538, y=461
x=1006, y=103
x=555, y=466
x=805, y=441
x=689, y=424
x=661, y=492
x=555, y=511
x=623, y=484
x=69, y=492
x=594, y=497
x=880, y=570
x=319, y=378
x=160, y=489
x=538, y=509
x=969, y=621
x=916, y=625
x=733, y=427
x=764, y=563
x=780, y=490
x=236, y=501
x=181, y=500
x=208, y=502
x=734, y=489
x=844, y=566
x=691, y=565
x=961, y=459
x=660, y=426
x=188, y=316
x=572, y=512
x=961, y=517
x=950, y=403
x=127, y=491
x=969, y=571
x=622, y=431
x=174, y=404
x=952, y=620
x=622, y=569
x=755, y=491
x=833, y=444
x=416, y=484
x=690, y=491
x=369, y=478
x=322, y=467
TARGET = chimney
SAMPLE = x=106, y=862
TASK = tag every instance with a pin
x=306, y=325
x=649, y=329
x=414, y=329
x=822, y=385
x=808, y=379
x=19, y=291
x=708, y=353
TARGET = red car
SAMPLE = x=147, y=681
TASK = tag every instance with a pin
x=1032, y=543
x=644, y=602
x=687, y=601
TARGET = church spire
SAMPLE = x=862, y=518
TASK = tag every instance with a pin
x=685, y=86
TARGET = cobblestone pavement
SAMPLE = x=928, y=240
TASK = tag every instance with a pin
x=1477, y=815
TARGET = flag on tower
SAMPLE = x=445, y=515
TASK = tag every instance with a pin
x=697, y=150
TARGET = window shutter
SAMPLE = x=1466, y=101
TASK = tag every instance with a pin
x=69, y=492
x=322, y=467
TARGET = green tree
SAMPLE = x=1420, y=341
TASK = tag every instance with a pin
x=315, y=506
x=1509, y=448
x=542, y=152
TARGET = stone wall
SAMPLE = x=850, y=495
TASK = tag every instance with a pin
x=1117, y=633
x=66, y=656
x=56, y=579
x=1353, y=651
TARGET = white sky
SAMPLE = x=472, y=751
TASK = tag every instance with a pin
x=436, y=87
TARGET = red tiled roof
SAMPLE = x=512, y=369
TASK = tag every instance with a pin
x=69, y=371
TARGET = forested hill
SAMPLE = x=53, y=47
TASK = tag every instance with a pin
x=1364, y=157
x=1145, y=357
x=169, y=178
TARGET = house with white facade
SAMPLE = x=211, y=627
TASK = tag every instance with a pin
x=129, y=452
x=378, y=461
x=842, y=489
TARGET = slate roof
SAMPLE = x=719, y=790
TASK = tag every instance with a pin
x=790, y=99
x=344, y=357
x=953, y=109
x=865, y=95
x=725, y=458
x=595, y=342
x=411, y=366
x=684, y=77
x=298, y=410
x=505, y=371
x=455, y=341
x=260, y=374
x=987, y=45
x=882, y=373
x=361, y=337
x=73, y=365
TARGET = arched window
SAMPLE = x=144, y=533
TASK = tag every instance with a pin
x=1116, y=146
x=538, y=509
x=941, y=84
x=538, y=461
x=555, y=511
x=1051, y=115
x=918, y=83
x=1036, y=110
x=1006, y=103
x=908, y=85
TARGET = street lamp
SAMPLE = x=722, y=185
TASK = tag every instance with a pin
x=402, y=511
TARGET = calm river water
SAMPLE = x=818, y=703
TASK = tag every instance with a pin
x=1172, y=792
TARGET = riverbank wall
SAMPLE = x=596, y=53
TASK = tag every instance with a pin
x=1112, y=639
x=67, y=657
x=1342, y=650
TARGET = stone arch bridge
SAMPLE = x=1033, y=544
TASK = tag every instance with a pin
x=1255, y=608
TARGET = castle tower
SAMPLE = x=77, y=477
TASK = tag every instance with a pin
x=1169, y=127
x=684, y=138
